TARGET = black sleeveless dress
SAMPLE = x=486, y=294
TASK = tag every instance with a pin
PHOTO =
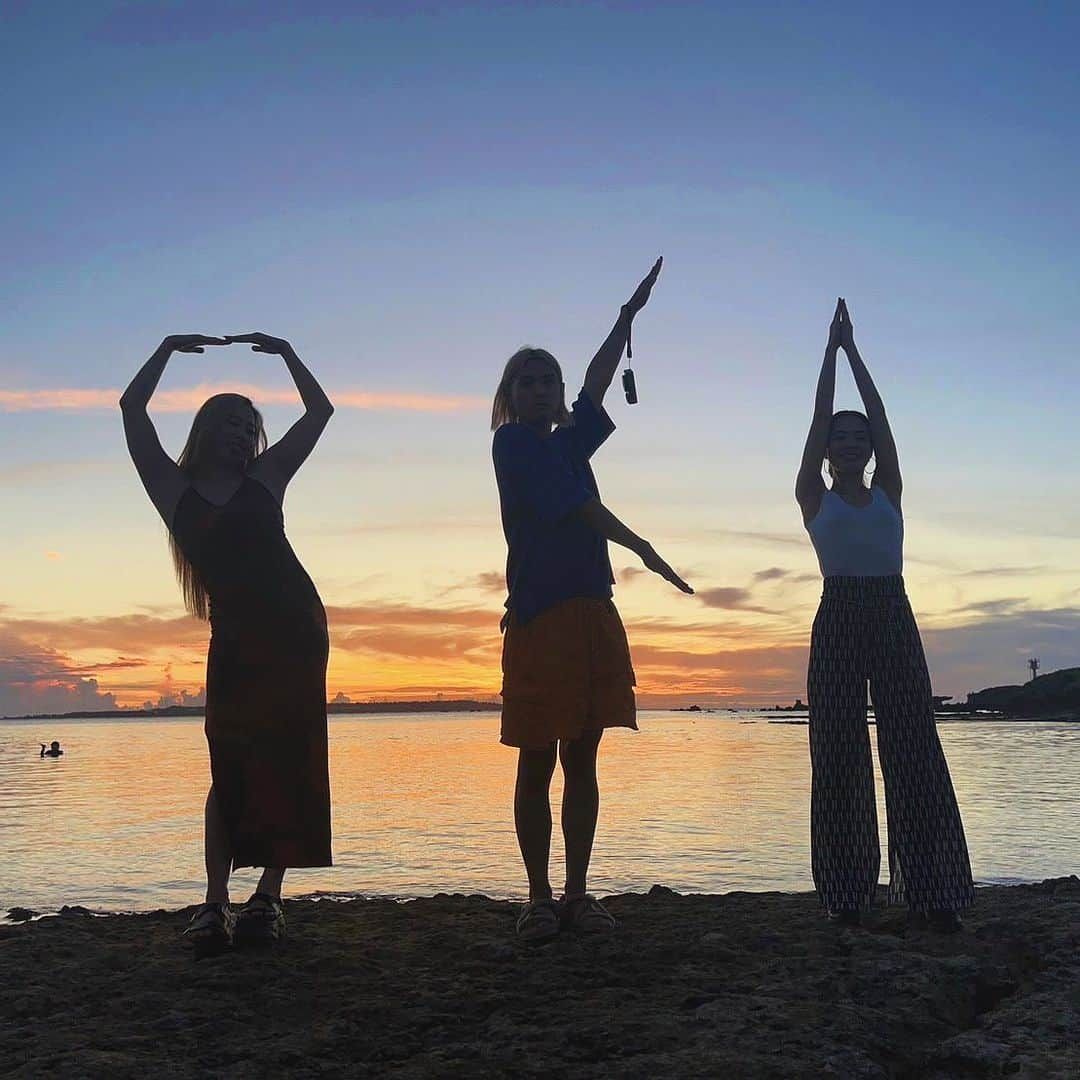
x=265, y=678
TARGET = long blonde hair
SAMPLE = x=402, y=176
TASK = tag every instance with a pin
x=196, y=600
x=502, y=409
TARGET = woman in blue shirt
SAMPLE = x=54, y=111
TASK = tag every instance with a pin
x=567, y=673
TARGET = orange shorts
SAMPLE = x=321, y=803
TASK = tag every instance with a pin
x=564, y=672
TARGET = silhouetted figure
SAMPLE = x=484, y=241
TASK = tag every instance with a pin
x=269, y=802
x=864, y=632
x=53, y=750
x=567, y=673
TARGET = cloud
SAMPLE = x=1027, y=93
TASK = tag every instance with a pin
x=490, y=581
x=59, y=665
x=35, y=678
x=418, y=633
x=766, y=538
x=131, y=634
x=733, y=599
x=773, y=573
x=1010, y=571
x=76, y=399
x=994, y=649
x=724, y=598
x=720, y=653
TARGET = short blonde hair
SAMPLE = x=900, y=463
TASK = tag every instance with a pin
x=502, y=409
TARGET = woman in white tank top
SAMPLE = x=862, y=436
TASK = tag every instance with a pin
x=864, y=633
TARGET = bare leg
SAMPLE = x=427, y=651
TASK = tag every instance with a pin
x=580, y=807
x=270, y=882
x=532, y=816
x=217, y=852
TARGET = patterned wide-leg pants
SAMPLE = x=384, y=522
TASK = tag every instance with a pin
x=864, y=632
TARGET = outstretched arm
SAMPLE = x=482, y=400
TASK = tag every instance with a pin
x=603, y=365
x=278, y=464
x=887, y=471
x=809, y=487
x=162, y=478
x=601, y=520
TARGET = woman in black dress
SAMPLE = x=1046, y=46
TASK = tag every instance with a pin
x=269, y=800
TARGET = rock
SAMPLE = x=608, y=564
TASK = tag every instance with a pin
x=752, y=985
x=498, y=951
x=660, y=891
x=717, y=946
x=171, y=1021
x=972, y=1049
x=22, y=914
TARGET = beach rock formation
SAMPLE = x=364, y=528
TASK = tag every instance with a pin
x=739, y=985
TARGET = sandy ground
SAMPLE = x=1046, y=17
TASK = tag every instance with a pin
x=738, y=985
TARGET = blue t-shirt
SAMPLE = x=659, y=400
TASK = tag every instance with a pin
x=552, y=555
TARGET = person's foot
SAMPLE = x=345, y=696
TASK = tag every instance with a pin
x=261, y=921
x=538, y=921
x=845, y=916
x=586, y=915
x=211, y=929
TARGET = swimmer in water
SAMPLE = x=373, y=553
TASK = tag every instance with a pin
x=53, y=750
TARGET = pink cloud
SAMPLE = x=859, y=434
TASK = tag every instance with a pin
x=75, y=399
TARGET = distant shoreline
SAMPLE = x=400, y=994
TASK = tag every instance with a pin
x=798, y=716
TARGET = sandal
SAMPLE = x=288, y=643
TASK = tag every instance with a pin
x=261, y=921
x=538, y=921
x=211, y=928
x=587, y=915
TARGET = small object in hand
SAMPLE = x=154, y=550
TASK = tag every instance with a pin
x=629, y=386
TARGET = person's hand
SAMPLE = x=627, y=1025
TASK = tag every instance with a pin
x=188, y=343
x=834, y=327
x=261, y=343
x=642, y=292
x=845, y=332
x=657, y=565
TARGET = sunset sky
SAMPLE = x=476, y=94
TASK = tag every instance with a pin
x=410, y=193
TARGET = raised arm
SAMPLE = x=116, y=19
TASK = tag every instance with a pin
x=887, y=469
x=603, y=365
x=160, y=475
x=601, y=520
x=277, y=465
x=809, y=487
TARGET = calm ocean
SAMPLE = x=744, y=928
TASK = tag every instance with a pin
x=422, y=804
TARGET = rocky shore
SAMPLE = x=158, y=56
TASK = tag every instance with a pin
x=738, y=985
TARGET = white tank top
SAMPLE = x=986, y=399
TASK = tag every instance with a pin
x=858, y=541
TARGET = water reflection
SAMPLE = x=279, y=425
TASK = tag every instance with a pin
x=422, y=804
